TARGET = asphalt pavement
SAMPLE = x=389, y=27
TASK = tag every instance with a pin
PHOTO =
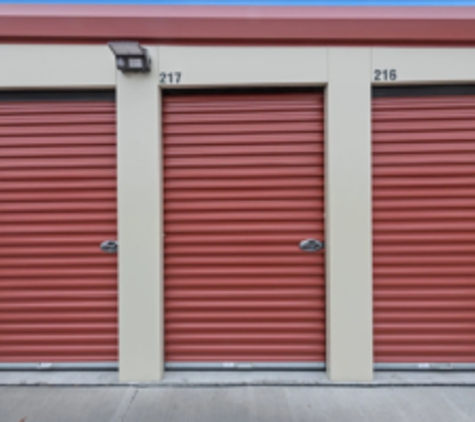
x=119, y=403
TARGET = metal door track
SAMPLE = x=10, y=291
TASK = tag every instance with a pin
x=424, y=366
x=244, y=366
x=60, y=366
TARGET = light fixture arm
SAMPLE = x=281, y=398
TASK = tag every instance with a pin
x=131, y=57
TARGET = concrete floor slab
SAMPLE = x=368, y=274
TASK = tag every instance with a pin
x=191, y=404
x=59, y=378
x=269, y=404
x=48, y=404
x=463, y=399
x=236, y=378
x=233, y=404
x=344, y=404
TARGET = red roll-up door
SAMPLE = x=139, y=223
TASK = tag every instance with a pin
x=243, y=186
x=424, y=225
x=58, y=291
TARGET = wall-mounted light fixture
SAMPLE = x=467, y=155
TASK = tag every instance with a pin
x=130, y=56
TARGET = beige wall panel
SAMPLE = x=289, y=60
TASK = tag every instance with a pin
x=56, y=66
x=425, y=65
x=225, y=66
x=348, y=215
x=140, y=226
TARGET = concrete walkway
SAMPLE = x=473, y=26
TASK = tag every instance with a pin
x=240, y=404
x=236, y=378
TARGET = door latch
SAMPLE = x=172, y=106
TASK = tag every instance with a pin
x=311, y=245
x=110, y=246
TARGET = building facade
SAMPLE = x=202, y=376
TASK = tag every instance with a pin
x=255, y=130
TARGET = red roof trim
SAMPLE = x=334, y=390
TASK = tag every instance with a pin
x=242, y=25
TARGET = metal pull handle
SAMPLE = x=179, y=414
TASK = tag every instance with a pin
x=110, y=246
x=311, y=245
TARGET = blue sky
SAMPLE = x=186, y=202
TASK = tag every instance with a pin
x=262, y=2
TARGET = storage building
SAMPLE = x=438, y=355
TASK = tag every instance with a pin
x=237, y=188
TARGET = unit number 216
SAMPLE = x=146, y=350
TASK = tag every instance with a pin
x=385, y=75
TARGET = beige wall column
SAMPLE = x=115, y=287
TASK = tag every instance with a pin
x=140, y=231
x=348, y=215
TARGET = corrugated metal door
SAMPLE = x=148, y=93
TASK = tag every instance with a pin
x=424, y=225
x=243, y=186
x=58, y=291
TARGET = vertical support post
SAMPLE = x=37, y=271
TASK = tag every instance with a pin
x=348, y=198
x=139, y=178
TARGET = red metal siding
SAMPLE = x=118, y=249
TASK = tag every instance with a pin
x=58, y=202
x=250, y=25
x=243, y=186
x=424, y=229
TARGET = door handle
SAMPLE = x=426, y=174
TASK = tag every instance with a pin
x=311, y=245
x=110, y=246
